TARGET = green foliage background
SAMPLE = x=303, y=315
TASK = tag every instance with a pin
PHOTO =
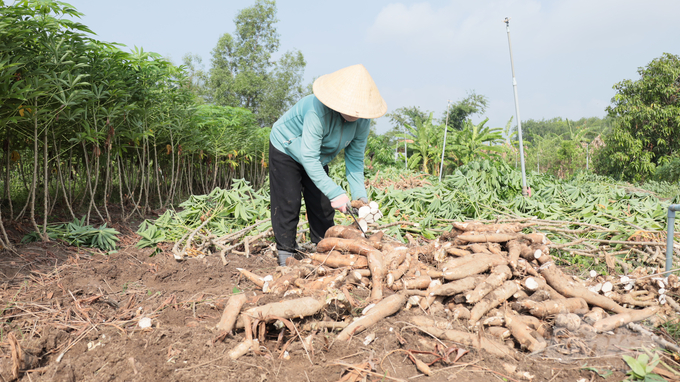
x=97, y=130
x=647, y=122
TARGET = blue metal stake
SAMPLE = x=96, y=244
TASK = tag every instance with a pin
x=669, y=239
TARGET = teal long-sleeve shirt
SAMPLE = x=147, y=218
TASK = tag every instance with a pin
x=313, y=134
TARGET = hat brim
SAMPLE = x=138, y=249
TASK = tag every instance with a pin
x=350, y=91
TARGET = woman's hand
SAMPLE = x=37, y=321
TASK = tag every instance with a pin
x=340, y=203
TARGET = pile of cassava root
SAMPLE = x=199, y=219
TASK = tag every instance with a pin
x=486, y=286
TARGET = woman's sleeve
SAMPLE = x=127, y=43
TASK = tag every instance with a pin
x=310, y=156
x=354, y=160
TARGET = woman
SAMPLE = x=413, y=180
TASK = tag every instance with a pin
x=305, y=139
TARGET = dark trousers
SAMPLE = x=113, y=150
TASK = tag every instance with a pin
x=288, y=182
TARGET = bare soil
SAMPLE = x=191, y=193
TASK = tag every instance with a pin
x=78, y=312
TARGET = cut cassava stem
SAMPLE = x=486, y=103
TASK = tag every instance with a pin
x=496, y=228
x=382, y=309
x=487, y=238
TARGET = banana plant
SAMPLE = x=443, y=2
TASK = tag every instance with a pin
x=427, y=140
x=475, y=142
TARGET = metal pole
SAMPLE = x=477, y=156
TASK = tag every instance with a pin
x=446, y=129
x=519, y=120
x=405, y=154
x=669, y=237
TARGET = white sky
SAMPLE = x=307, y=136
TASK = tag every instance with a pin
x=568, y=54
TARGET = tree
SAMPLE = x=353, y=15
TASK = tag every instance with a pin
x=243, y=73
x=546, y=128
x=460, y=111
x=426, y=139
x=284, y=87
x=196, y=76
x=406, y=116
x=647, y=121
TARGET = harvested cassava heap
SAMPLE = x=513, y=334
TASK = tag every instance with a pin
x=493, y=287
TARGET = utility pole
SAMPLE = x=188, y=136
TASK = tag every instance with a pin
x=446, y=129
x=405, y=153
x=525, y=191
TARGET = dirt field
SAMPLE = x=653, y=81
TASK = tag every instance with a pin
x=78, y=314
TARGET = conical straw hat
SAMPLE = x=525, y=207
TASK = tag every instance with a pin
x=350, y=91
